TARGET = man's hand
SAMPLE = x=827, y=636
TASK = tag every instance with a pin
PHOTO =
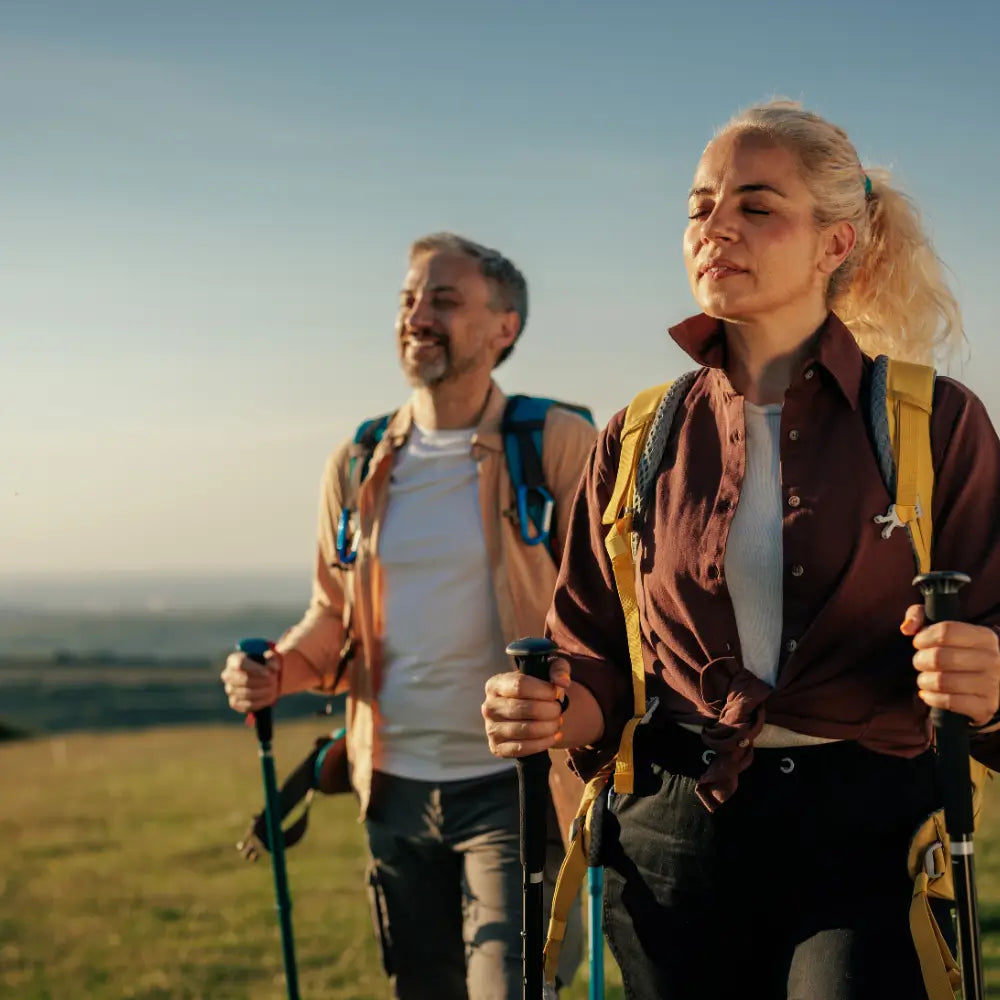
x=251, y=686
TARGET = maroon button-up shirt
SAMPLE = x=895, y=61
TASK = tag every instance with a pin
x=846, y=670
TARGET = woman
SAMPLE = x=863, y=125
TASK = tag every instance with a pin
x=786, y=762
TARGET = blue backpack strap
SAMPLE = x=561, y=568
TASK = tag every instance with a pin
x=522, y=427
x=366, y=439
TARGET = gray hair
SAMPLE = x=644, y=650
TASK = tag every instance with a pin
x=510, y=290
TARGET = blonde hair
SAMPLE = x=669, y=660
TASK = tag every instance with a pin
x=891, y=291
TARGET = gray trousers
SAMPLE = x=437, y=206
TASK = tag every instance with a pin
x=445, y=887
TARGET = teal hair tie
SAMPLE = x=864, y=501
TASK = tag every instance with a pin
x=868, y=186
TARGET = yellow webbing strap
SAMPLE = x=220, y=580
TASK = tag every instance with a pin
x=571, y=874
x=909, y=399
x=618, y=515
x=909, y=403
x=937, y=964
x=929, y=863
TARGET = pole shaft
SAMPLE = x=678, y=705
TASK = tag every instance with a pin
x=595, y=934
x=283, y=900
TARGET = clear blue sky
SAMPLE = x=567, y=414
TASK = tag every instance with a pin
x=206, y=206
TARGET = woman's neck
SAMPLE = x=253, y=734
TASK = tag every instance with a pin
x=764, y=355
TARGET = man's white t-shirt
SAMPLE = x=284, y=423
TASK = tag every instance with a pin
x=442, y=636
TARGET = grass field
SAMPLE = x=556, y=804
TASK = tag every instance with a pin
x=120, y=879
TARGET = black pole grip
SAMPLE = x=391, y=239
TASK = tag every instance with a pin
x=532, y=659
x=941, y=604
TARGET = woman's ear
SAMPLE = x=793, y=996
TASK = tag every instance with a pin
x=836, y=243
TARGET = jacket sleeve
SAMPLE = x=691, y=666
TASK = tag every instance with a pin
x=966, y=506
x=319, y=635
x=586, y=619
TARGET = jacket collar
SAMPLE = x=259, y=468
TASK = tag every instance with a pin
x=487, y=433
x=837, y=352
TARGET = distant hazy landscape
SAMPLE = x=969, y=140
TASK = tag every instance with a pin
x=133, y=651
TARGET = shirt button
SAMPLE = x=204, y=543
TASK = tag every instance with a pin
x=794, y=501
x=736, y=435
x=797, y=570
x=725, y=505
x=743, y=743
x=810, y=372
x=793, y=435
x=791, y=645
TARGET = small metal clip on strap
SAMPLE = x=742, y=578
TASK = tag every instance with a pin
x=347, y=548
x=541, y=535
x=892, y=520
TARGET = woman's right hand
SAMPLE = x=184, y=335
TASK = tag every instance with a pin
x=524, y=715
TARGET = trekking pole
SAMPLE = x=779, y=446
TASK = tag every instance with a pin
x=264, y=724
x=595, y=896
x=940, y=591
x=532, y=659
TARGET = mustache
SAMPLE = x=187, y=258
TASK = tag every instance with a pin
x=440, y=338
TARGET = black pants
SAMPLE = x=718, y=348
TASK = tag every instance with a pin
x=795, y=888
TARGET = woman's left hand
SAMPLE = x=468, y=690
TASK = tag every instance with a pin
x=958, y=665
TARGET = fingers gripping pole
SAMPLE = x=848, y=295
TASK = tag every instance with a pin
x=532, y=659
x=255, y=649
x=940, y=592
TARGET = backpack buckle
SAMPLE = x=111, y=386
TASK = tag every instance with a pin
x=930, y=860
x=347, y=548
x=524, y=495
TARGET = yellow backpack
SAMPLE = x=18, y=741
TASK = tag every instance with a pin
x=901, y=401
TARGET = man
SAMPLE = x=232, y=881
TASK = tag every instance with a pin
x=441, y=581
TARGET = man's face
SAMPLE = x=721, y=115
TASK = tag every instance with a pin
x=446, y=326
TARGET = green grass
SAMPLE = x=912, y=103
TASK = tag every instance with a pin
x=120, y=879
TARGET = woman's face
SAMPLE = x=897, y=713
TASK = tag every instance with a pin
x=752, y=246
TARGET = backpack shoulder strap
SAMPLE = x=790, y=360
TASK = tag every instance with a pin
x=648, y=422
x=366, y=439
x=645, y=432
x=638, y=417
x=902, y=399
x=522, y=427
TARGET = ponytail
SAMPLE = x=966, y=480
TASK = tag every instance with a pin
x=891, y=291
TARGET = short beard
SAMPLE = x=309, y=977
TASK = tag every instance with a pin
x=431, y=374
x=428, y=374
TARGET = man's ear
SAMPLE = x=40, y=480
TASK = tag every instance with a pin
x=836, y=244
x=510, y=326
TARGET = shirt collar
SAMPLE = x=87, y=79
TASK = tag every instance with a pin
x=837, y=352
x=487, y=430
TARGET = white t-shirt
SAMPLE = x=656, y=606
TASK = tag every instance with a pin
x=754, y=549
x=442, y=632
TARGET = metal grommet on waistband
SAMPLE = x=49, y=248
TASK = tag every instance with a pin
x=787, y=765
x=706, y=757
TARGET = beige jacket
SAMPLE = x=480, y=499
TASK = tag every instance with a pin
x=523, y=576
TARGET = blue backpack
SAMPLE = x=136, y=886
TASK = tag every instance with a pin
x=521, y=426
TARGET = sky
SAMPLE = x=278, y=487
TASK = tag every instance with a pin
x=206, y=208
